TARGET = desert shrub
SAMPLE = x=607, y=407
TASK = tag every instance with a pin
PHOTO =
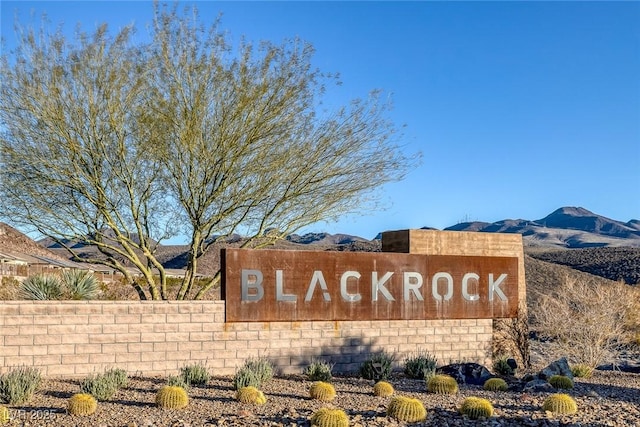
x=169, y=397
x=117, y=376
x=101, y=386
x=476, y=407
x=377, y=366
x=41, y=287
x=420, y=365
x=322, y=391
x=196, y=374
x=560, y=404
x=501, y=365
x=588, y=320
x=561, y=381
x=326, y=417
x=80, y=284
x=406, y=409
x=319, y=370
x=81, y=404
x=250, y=395
x=177, y=381
x=495, y=384
x=255, y=372
x=245, y=377
x=442, y=384
x=511, y=336
x=18, y=385
x=581, y=371
x=383, y=389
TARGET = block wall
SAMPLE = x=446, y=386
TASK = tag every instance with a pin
x=76, y=338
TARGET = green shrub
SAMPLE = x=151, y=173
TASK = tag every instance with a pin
x=560, y=404
x=319, y=370
x=195, y=374
x=18, y=385
x=476, y=407
x=81, y=404
x=501, y=366
x=495, y=384
x=101, y=386
x=322, y=391
x=377, y=366
x=383, y=389
x=262, y=368
x=245, y=377
x=442, y=384
x=177, y=381
x=117, y=376
x=420, y=366
x=41, y=287
x=250, y=395
x=80, y=284
x=325, y=417
x=169, y=397
x=406, y=409
x=561, y=382
x=582, y=371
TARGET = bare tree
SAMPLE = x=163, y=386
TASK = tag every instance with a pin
x=115, y=143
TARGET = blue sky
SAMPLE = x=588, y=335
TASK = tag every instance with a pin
x=519, y=108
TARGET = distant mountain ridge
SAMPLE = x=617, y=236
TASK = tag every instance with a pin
x=567, y=227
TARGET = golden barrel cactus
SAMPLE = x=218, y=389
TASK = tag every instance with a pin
x=476, y=407
x=560, y=404
x=172, y=397
x=5, y=416
x=561, y=382
x=406, y=409
x=442, y=384
x=326, y=417
x=383, y=389
x=250, y=395
x=495, y=384
x=323, y=391
x=82, y=404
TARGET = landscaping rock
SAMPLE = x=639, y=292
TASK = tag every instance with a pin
x=467, y=373
x=559, y=367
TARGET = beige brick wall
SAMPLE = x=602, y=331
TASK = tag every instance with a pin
x=75, y=338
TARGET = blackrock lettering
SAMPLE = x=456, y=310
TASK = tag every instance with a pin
x=276, y=285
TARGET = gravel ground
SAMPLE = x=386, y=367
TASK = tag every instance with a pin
x=606, y=399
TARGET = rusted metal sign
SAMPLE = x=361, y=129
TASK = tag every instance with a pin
x=277, y=285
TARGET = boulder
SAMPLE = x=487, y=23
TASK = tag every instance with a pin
x=467, y=373
x=559, y=367
x=538, y=386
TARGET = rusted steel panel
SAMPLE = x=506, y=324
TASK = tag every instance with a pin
x=277, y=285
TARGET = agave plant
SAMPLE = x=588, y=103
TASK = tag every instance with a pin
x=41, y=287
x=81, y=284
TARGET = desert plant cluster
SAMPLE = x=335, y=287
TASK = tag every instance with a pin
x=18, y=385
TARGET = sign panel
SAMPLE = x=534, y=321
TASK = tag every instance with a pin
x=280, y=285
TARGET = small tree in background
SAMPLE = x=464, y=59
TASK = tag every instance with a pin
x=120, y=145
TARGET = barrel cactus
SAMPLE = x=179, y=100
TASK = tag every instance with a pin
x=325, y=417
x=560, y=404
x=442, y=384
x=383, y=388
x=322, y=391
x=82, y=404
x=172, y=397
x=495, y=384
x=406, y=409
x=476, y=407
x=5, y=416
x=581, y=370
x=250, y=395
x=561, y=381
